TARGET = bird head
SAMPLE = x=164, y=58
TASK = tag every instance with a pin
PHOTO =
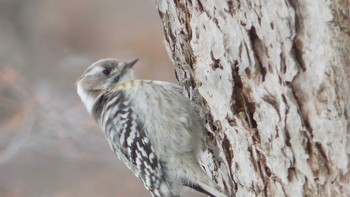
x=100, y=76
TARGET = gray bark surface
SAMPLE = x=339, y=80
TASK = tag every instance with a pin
x=273, y=78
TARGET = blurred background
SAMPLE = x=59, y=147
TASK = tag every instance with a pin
x=49, y=146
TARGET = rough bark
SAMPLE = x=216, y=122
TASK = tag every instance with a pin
x=273, y=78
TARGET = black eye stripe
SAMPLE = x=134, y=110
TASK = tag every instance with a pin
x=116, y=79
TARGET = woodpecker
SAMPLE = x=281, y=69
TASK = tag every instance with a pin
x=150, y=125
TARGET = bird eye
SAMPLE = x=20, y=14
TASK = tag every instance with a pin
x=106, y=72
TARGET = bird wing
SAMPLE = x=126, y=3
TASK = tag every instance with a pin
x=126, y=136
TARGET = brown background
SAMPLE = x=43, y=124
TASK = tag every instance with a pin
x=49, y=146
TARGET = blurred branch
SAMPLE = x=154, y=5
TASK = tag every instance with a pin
x=28, y=117
x=20, y=116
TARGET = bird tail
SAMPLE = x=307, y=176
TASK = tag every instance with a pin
x=189, y=173
x=205, y=185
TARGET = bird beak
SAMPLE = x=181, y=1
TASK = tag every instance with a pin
x=131, y=63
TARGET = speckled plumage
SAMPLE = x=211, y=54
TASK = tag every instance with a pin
x=150, y=125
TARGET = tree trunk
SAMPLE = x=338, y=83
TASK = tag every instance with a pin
x=273, y=79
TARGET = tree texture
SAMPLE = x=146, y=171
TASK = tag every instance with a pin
x=273, y=79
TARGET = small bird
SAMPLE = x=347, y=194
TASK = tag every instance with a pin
x=150, y=125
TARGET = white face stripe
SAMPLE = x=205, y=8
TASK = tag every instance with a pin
x=85, y=98
x=95, y=81
x=94, y=70
x=97, y=67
